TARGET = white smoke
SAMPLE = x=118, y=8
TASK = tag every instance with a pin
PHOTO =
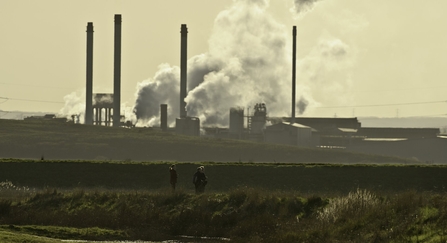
x=248, y=62
x=74, y=105
x=164, y=88
x=300, y=7
x=324, y=72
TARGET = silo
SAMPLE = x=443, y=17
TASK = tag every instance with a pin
x=236, y=122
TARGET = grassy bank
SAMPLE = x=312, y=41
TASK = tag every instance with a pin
x=242, y=215
x=245, y=202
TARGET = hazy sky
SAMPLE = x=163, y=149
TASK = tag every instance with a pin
x=355, y=58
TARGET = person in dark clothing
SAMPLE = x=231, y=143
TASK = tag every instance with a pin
x=173, y=176
x=200, y=180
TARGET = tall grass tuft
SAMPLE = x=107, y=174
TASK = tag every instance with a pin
x=354, y=204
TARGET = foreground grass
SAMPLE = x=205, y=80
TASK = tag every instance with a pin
x=44, y=234
x=7, y=236
x=242, y=215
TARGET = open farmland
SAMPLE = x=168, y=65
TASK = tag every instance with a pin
x=63, y=141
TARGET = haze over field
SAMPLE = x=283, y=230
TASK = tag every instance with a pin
x=354, y=59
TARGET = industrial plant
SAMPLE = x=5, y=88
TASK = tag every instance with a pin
x=103, y=109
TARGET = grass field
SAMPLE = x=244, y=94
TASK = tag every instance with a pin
x=322, y=179
x=63, y=141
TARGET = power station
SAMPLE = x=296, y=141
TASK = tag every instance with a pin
x=104, y=109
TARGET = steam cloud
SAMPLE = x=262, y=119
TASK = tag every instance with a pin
x=302, y=105
x=248, y=62
x=302, y=6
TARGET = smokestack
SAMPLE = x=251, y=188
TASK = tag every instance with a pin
x=293, y=75
x=117, y=73
x=183, y=61
x=164, y=117
x=89, y=86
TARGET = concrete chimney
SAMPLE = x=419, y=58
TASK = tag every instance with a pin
x=183, y=67
x=164, y=117
x=117, y=73
x=293, y=75
x=89, y=84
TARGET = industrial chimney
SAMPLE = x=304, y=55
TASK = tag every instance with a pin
x=293, y=75
x=183, y=66
x=117, y=73
x=88, y=118
x=164, y=117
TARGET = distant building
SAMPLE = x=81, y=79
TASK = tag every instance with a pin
x=393, y=132
x=187, y=126
x=291, y=134
x=46, y=117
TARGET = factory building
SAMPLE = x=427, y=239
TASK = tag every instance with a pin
x=291, y=134
x=187, y=126
x=257, y=122
x=236, y=130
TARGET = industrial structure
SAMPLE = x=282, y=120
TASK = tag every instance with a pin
x=89, y=80
x=104, y=109
x=184, y=124
x=236, y=129
x=340, y=133
x=117, y=73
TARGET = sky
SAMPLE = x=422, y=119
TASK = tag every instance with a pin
x=354, y=58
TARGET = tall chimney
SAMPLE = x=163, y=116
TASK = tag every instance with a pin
x=117, y=73
x=183, y=66
x=88, y=118
x=164, y=117
x=293, y=75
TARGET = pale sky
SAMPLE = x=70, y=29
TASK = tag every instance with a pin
x=355, y=58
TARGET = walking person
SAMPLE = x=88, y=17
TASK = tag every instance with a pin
x=200, y=180
x=173, y=176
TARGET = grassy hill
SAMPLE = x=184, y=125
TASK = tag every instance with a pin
x=55, y=140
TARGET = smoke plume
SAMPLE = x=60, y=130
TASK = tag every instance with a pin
x=302, y=105
x=248, y=62
x=301, y=7
x=74, y=105
x=164, y=88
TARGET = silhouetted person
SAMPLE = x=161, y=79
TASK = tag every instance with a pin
x=200, y=180
x=173, y=176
